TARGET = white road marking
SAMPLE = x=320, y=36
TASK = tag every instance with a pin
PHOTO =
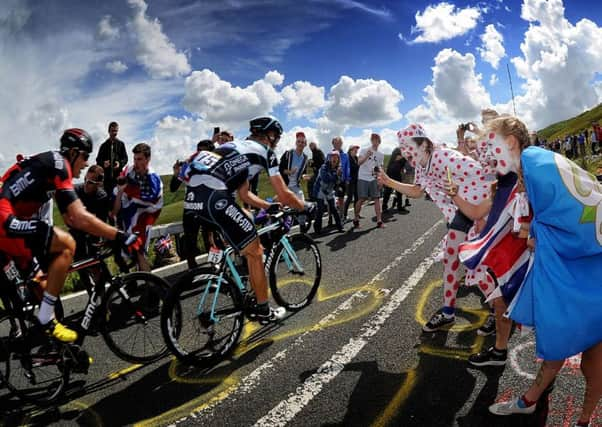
x=287, y=409
x=251, y=381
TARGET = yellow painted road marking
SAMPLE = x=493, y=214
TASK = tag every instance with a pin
x=124, y=371
x=402, y=394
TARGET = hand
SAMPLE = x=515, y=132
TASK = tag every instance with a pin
x=129, y=242
x=451, y=189
x=177, y=166
x=531, y=244
x=474, y=128
x=305, y=177
x=274, y=208
x=369, y=153
x=107, y=164
x=309, y=208
x=382, y=178
x=122, y=183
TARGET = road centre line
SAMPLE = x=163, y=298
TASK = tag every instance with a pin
x=251, y=381
x=287, y=409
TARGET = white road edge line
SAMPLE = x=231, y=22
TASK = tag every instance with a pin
x=251, y=381
x=287, y=409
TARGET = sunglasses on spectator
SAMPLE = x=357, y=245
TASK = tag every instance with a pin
x=99, y=181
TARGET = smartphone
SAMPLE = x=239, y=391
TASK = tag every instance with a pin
x=215, y=130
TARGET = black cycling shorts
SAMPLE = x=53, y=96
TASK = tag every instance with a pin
x=460, y=222
x=217, y=209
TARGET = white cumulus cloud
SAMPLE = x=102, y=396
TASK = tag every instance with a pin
x=492, y=48
x=155, y=52
x=559, y=63
x=363, y=102
x=106, y=30
x=116, y=67
x=444, y=21
x=303, y=99
x=217, y=101
x=493, y=80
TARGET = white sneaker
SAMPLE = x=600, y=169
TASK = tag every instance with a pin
x=510, y=407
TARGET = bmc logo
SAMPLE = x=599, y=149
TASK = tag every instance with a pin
x=21, y=184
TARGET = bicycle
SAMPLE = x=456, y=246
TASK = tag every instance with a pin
x=130, y=305
x=202, y=318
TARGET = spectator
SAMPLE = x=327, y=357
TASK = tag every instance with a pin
x=340, y=190
x=581, y=142
x=574, y=147
x=395, y=171
x=371, y=162
x=190, y=220
x=139, y=199
x=96, y=201
x=293, y=165
x=328, y=176
x=354, y=167
x=568, y=150
x=316, y=161
x=595, y=141
x=112, y=157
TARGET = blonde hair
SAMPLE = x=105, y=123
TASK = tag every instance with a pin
x=509, y=125
x=488, y=114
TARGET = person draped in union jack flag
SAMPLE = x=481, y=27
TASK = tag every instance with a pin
x=139, y=199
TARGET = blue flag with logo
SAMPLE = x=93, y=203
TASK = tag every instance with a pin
x=562, y=293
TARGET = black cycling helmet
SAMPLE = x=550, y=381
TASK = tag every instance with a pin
x=264, y=124
x=205, y=144
x=76, y=138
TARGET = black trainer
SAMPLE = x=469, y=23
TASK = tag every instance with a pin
x=489, y=357
x=488, y=327
x=438, y=321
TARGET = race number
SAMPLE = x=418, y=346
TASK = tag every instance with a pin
x=215, y=255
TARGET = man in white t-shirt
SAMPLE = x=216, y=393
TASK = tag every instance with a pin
x=371, y=161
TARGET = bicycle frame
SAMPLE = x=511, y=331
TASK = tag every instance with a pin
x=290, y=258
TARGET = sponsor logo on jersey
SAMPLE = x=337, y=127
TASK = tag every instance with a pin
x=22, y=226
x=59, y=162
x=236, y=164
x=239, y=218
x=195, y=206
x=221, y=204
x=190, y=197
x=21, y=184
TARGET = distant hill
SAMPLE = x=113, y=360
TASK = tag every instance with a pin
x=571, y=126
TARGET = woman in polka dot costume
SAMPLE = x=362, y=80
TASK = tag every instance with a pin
x=435, y=166
x=501, y=247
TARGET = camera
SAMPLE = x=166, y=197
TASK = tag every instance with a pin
x=465, y=126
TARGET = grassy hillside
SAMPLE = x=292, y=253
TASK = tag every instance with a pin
x=573, y=125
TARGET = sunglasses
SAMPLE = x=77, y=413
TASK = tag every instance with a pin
x=99, y=182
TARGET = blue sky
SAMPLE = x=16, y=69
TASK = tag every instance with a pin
x=169, y=71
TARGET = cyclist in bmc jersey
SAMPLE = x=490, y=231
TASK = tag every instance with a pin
x=24, y=188
x=211, y=177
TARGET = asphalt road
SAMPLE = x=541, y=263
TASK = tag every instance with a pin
x=355, y=357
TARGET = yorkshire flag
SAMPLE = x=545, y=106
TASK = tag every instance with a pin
x=562, y=294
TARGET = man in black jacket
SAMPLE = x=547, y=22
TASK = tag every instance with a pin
x=112, y=157
x=395, y=168
x=293, y=165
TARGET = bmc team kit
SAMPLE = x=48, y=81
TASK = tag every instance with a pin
x=202, y=318
x=37, y=368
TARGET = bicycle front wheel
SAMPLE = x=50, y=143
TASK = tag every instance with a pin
x=33, y=367
x=295, y=271
x=132, y=317
x=202, y=318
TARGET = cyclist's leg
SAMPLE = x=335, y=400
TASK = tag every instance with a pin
x=191, y=224
x=254, y=254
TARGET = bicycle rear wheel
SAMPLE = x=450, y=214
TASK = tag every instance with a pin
x=295, y=271
x=32, y=366
x=132, y=317
x=201, y=322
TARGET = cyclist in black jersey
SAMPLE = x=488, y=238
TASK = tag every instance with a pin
x=25, y=187
x=211, y=177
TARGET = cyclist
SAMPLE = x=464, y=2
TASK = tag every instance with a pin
x=211, y=178
x=24, y=188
